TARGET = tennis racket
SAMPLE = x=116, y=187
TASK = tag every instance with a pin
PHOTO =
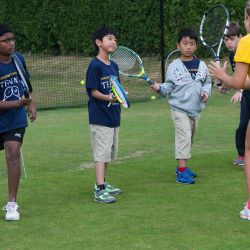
x=129, y=63
x=172, y=55
x=213, y=28
x=119, y=92
x=24, y=76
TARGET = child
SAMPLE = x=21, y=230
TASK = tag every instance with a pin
x=239, y=81
x=104, y=119
x=188, y=86
x=13, y=116
x=231, y=41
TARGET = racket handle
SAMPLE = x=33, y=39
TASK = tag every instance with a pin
x=151, y=82
x=216, y=81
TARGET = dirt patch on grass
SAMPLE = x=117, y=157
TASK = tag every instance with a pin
x=132, y=155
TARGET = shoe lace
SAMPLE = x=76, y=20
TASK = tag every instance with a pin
x=11, y=207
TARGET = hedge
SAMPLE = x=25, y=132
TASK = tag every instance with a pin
x=66, y=26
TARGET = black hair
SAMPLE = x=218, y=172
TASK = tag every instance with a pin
x=187, y=32
x=233, y=29
x=4, y=29
x=102, y=32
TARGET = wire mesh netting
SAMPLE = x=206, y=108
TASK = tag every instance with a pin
x=59, y=81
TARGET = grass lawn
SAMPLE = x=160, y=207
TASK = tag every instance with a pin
x=153, y=212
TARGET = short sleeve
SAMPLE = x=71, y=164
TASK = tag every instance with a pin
x=243, y=50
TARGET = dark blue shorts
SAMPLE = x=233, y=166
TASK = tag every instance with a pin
x=12, y=135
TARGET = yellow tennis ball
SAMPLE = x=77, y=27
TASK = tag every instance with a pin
x=82, y=82
x=152, y=97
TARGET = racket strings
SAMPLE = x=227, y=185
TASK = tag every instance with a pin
x=120, y=93
x=127, y=61
x=214, y=26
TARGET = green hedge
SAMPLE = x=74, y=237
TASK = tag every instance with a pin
x=66, y=26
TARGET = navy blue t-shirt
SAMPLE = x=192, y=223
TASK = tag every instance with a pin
x=231, y=59
x=11, y=89
x=100, y=113
x=192, y=66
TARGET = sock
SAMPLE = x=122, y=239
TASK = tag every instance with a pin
x=248, y=204
x=100, y=187
x=241, y=157
x=181, y=169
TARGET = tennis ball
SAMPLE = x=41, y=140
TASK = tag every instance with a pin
x=152, y=97
x=82, y=82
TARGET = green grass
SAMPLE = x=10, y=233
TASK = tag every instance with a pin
x=154, y=212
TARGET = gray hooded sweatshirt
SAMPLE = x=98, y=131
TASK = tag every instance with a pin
x=184, y=92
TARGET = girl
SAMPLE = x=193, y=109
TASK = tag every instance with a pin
x=239, y=80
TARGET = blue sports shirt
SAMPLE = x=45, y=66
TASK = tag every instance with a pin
x=100, y=113
x=192, y=66
x=231, y=59
x=11, y=89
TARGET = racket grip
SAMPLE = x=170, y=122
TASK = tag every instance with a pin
x=151, y=82
x=26, y=94
x=216, y=81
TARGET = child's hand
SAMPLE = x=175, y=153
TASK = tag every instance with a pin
x=236, y=97
x=204, y=97
x=155, y=87
x=25, y=101
x=112, y=97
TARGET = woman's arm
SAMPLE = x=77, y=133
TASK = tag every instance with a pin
x=237, y=80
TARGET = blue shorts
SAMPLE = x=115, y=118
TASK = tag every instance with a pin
x=12, y=135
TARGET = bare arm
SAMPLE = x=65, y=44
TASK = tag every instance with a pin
x=98, y=95
x=32, y=108
x=237, y=81
x=14, y=104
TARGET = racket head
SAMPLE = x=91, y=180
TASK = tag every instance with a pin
x=129, y=63
x=214, y=26
x=172, y=55
x=119, y=92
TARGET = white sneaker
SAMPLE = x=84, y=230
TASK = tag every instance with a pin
x=245, y=213
x=11, y=211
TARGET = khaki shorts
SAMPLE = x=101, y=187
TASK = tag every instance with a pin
x=185, y=127
x=104, y=142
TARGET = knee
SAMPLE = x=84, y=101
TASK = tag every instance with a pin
x=13, y=155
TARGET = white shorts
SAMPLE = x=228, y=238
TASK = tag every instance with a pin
x=104, y=142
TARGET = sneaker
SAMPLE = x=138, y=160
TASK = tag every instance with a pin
x=191, y=173
x=103, y=196
x=245, y=213
x=184, y=178
x=110, y=189
x=239, y=161
x=11, y=211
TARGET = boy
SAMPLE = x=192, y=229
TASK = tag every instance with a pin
x=231, y=41
x=188, y=86
x=13, y=118
x=104, y=119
